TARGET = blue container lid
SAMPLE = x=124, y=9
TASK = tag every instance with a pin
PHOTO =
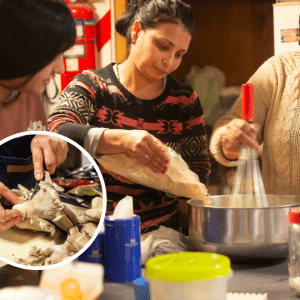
x=141, y=282
x=141, y=289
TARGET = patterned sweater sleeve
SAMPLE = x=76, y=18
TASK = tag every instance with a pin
x=193, y=146
x=76, y=108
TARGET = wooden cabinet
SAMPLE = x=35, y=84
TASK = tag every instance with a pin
x=236, y=36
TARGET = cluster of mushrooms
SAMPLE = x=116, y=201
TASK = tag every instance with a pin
x=70, y=229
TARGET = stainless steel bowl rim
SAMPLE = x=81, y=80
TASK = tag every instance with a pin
x=190, y=202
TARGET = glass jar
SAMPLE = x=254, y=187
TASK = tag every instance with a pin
x=294, y=250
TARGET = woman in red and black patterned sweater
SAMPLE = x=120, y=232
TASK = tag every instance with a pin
x=122, y=102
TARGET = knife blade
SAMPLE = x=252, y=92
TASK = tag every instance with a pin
x=36, y=189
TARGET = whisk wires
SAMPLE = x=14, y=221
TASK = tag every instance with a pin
x=248, y=188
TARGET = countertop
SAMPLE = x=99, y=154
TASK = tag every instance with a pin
x=269, y=277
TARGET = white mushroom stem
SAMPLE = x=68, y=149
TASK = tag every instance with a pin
x=88, y=228
x=63, y=222
x=95, y=212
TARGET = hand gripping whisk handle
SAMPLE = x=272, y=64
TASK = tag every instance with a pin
x=247, y=102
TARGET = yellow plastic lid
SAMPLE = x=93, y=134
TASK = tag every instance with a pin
x=188, y=266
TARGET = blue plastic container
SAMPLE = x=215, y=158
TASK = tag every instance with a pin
x=94, y=253
x=141, y=289
x=122, y=248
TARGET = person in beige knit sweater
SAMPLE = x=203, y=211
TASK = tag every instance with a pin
x=276, y=125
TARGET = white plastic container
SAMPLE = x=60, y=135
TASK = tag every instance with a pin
x=188, y=275
x=26, y=293
x=76, y=280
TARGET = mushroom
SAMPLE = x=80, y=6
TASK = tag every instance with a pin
x=88, y=228
x=95, y=212
x=45, y=206
x=46, y=212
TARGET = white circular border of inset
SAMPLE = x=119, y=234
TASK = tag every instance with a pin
x=103, y=191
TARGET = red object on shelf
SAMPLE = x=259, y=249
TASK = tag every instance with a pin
x=294, y=215
x=247, y=102
x=72, y=1
x=82, y=56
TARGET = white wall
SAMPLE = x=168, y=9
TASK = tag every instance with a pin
x=286, y=24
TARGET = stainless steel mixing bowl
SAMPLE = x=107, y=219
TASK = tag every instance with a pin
x=242, y=233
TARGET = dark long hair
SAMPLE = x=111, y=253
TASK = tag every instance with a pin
x=32, y=34
x=154, y=12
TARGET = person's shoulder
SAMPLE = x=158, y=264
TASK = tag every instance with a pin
x=287, y=54
x=94, y=78
x=278, y=63
x=286, y=57
x=24, y=96
x=291, y=58
x=179, y=88
x=102, y=73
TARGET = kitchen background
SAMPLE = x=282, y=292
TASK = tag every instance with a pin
x=233, y=38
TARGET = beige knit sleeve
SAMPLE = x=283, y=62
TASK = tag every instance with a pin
x=265, y=81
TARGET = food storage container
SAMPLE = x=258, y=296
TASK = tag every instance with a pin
x=122, y=249
x=26, y=293
x=188, y=275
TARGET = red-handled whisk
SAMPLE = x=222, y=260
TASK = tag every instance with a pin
x=247, y=102
x=248, y=189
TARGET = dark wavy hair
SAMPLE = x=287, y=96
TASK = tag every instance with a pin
x=154, y=12
x=32, y=34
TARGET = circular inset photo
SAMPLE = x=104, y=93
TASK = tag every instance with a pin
x=53, y=201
